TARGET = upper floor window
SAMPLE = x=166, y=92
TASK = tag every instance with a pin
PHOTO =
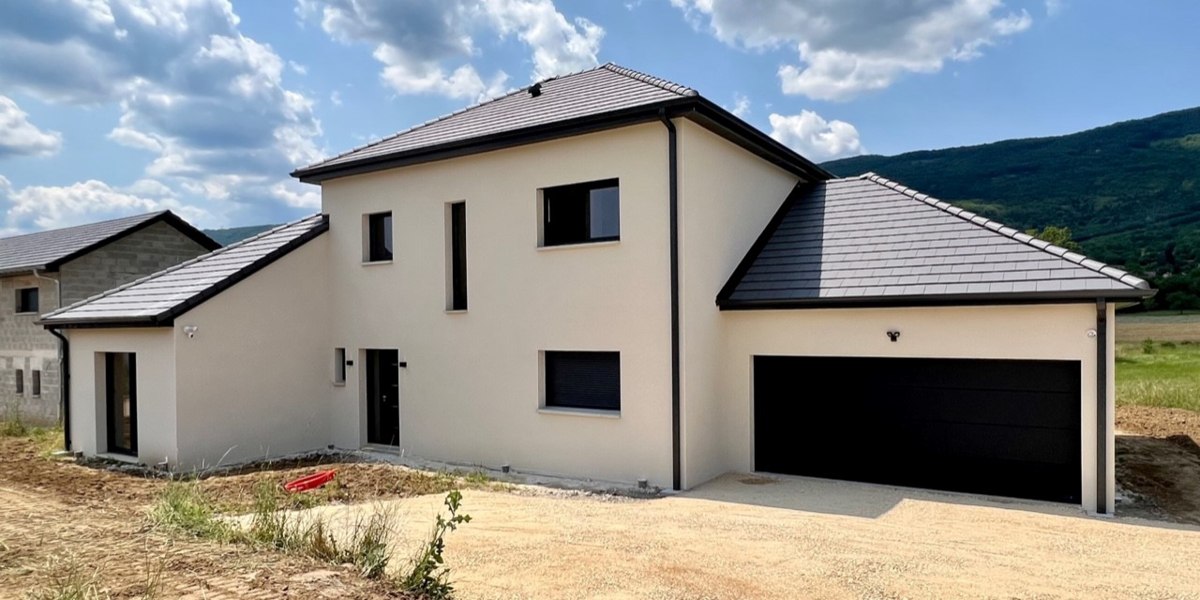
x=456, y=255
x=378, y=237
x=27, y=300
x=581, y=213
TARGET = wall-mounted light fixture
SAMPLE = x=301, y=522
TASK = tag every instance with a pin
x=1091, y=333
x=893, y=334
x=190, y=330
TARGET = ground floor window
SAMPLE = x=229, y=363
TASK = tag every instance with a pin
x=121, y=401
x=37, y=383
x=590, y=380
x=20, y=375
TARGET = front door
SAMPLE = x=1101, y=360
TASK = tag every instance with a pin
x=383, y=397
x=121, y=401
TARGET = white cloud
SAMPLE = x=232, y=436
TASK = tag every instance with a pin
x=297, y=68
x=1054, y=7
x=19, y=137
x=815, y=138
x=208, y=102
x=427, y=47
x=297, y=195
x=48, y=207
x=335, y=98
x=850, y=47
x=741, y=106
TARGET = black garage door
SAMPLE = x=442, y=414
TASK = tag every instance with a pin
x=1003, y=427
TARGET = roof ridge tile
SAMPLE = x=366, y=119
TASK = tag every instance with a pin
x=665, y=84
x=1073, y=257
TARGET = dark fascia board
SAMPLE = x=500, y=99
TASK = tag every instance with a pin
x=699, y=109
x=1079, y=297
x=768, y=232
x=166, y=216
x=167, y=318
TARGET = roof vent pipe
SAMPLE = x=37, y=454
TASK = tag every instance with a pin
x=535, y=90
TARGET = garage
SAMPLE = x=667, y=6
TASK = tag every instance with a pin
x=1000, y=427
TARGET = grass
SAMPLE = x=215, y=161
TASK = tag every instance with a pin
x=67, y=578
x=1160, y=374
x=185, y=508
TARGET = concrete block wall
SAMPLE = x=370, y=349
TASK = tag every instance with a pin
x=27, y=346
x=139, y=254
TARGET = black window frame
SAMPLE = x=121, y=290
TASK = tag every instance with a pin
x=35, y=385
x=20, y=379
x=572, y=231
x=380, y=240
x=567, y=369
x=457, y=256
x=24, y=305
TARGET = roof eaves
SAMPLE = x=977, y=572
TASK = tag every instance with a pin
x=1004, y=298
x=1094, y=265
x=48, y=320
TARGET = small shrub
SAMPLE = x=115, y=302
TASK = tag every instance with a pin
x=1147, y=346
x=66, y=578
x=428, y=576
x=1167, y=345
x=13, y=425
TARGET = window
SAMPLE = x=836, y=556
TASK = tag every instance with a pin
x=456, y=255
x=37, y=383
x=581, y=213
x=583, y=380
x=20, y=382
x=339, y=365
x=379, y=237
x=27, y=300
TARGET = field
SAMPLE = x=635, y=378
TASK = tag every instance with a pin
x=1158, y=360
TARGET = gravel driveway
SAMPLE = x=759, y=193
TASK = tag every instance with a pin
x=754, y=537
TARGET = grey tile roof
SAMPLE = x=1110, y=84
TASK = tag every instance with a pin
x=604, y=89
x=868, y=239
x=46, y=249
x=157, y=299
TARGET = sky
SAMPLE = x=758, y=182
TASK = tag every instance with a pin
x=117, y=107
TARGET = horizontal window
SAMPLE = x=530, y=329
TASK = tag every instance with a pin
x=581, y=213
x=590, y=380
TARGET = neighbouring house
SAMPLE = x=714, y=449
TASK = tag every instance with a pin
x=608, y=276
x=43, y=271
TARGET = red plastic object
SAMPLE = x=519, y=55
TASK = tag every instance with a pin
x=310, y=482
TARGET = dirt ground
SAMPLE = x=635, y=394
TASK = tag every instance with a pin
x=737, y=537
x=1158, y=463
x=1162, y=327
x=56, y=517
x=784, y=537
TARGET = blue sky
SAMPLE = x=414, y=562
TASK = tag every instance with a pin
x=114, y=107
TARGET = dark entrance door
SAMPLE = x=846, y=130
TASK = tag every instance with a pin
x=383, y=397
x=121, y=401
x=1004, y=427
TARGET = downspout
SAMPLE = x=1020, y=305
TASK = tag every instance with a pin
x=1102, y=406
x=64, y=364
x=673, y=199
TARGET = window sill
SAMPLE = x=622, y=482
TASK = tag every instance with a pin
x=118, y=457
x=26, y=314
x=456, y=311
x=338, y=383
x=579, y=245
x=580, y=412
x=375, y=263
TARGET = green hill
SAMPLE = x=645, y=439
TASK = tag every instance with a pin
x=228, y=236
x=1129, y=192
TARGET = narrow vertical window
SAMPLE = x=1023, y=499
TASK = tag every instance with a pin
x=339, y=365
x=20, y=382
x=37, y=383
x=457, y=255
x=379, y=237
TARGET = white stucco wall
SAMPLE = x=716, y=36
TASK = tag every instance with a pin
x=255, y=380
x=1054, y=332
x=155, y=350
x=726, y=198
x=470, y=392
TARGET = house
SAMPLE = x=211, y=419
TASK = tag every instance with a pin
x=606, y=275
x=43, y=271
